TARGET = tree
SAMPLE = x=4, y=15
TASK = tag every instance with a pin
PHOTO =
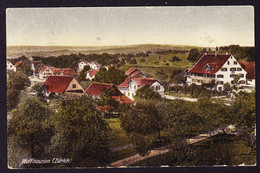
x=25, y=68
x=81, y=133
x=133, y=61
x=193, y=55
x=175, y=59
x=146, y=92
x=112, y=75
x=140, y=143
x=31, y=127
x=243, y=112
x=83, y=73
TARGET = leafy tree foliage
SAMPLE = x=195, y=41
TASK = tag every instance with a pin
x=239, y=53
x=133, y=61
x=25, y=68
x=31, y=127
x=83, y=73
x=194, y=55
x=81, y=133
x=16, y=82
x=243, y=112
x=175, y=59
x=146, y=92
x=140, y=143
x=112, y=75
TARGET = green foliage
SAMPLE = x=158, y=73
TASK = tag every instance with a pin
x=140, y=143
x=31, y=127
x=81, y=133
x=112, y=75
x=243, y=111
x=175, y=59
x=146, y=92
x=83, y=73
x=15, y=83
x=194, y=55
x=133, y=61
x=240, y=53
x=25, y=68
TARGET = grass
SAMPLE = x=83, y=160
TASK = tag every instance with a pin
x=118, y=135
x=230, y=151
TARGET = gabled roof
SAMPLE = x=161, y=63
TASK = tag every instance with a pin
x=144, y=81
x=18, y=63
x=66, y=71
x=43, y=68
x=36, y=63
x=57, y=84
x=249, y=67
x=86, y=62
x=130, y=71
x=124, y=99
x=216, y=61
x=92, y=72
x=135, y=73
x=97, y=89
x=125, y=83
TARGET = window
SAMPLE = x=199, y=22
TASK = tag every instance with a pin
x=224, y=69
x=235, y=63
x=232, y=69
x=220, y=82
x=157, y=88
x=228, y=63
x=220, y=88
x=124, y=93
x=220, y=76
x=74, y=85
x=232, y=75
x=232, y=82
x=135, y=87
x=47, y=70
x=130, y=86
x=132, y=94
x=128, y=94
x=239, y=69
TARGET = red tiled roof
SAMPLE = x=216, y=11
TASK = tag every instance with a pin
x=96, y=62
x=18, y=63
x=36, y=63
x=217, y=60
x=67, y=71
x=125, y=83
x=106, y=108
x=97, y=88
x=144, y=81
x=86, y=62
x=249, y=68
x=43, y=68
x=123, y=99
x=92, y=72
x=135, y=73
x=130, y=71
x=57, y=84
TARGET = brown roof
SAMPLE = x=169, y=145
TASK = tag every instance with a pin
x=124, y=99
x=18, y=63
x=43, y=68
x=92, y=72
x=130, y=71
x=135, y=73
x=249, y=68
x=57, y=84
x=65, y=71
x=214, y=61
x=125, y=83
x=97, y=89
x=144, y=81
x=106, y=108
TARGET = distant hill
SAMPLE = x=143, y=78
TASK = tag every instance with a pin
x=45, y=51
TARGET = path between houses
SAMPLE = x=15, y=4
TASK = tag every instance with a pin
x=158, y=151
x=181, y=98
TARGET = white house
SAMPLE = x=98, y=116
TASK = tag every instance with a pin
x=91, y=74
x=82, y=64
x=94, y=65
x=221, y=68
x=250, y=76
x=10, y=66
x=131, y=85
x=46, y=71
x=36, y=67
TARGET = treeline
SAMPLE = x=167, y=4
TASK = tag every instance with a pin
x=240, y=53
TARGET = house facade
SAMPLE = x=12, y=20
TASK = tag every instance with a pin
x=82, y=64
x=45, y=72
x=62, y=85
x=221, y=68
x=130, y=86
x=36, y=67
x=250, y=76
x=91, y=74
x=10, y=66
x=94, y=65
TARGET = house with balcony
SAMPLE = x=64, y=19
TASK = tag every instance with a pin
x=221, y=68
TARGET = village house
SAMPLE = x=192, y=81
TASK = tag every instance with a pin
x=221, y=68
x=95, y=90
x=48, y=71
x=91, y=74
x=134, y=73
x=36, y=67
x=62, y=85
x=250, y=76
x=94, y=65
x=10, y=66
x=131, y=85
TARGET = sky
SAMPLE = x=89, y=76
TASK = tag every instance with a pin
x=106, y=26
